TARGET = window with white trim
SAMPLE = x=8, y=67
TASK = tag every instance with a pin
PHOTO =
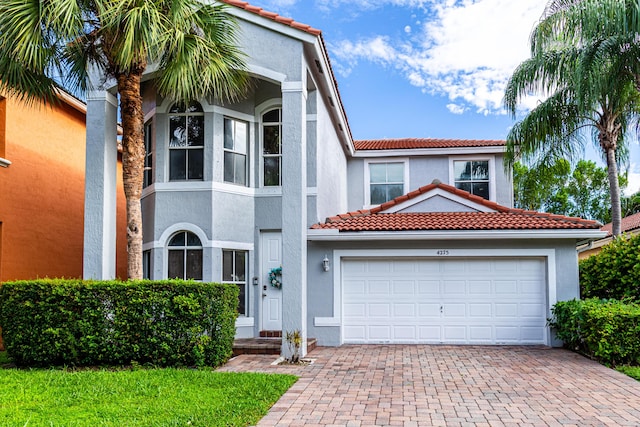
x=186, y=142
x=472, y=176
x=386, y=181
x=236, y=141
x=146, y=264
x=272, y=148
x=234, y=271
x=147, y=179
x=185, y=256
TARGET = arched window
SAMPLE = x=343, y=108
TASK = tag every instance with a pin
x=186, y=142
x=185, y=256
x=272, y=148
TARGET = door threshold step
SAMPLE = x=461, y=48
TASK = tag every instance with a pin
x=264, y=345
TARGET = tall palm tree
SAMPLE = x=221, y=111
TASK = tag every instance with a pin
x=191, y=43
x=587, y=70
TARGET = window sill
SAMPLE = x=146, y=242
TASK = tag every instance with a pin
x=242, y=321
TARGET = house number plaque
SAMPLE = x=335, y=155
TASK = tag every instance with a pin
x=442, y=252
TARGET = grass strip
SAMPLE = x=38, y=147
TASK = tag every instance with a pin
x=632, y=371
x=143, y=397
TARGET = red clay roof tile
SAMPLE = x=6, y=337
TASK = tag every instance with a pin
x=504, y=218
x=629, y=223
x=274, y=16
x=413, y=143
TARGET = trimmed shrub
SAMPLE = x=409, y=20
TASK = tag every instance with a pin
x=74, y=322
x=614, y=273
x=608, y=331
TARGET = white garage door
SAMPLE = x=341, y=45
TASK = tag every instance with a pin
x=453, y=301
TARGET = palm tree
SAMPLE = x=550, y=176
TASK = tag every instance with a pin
x=587, y=70
x=191, y=43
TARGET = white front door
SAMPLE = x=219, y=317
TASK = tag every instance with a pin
x=271, y=255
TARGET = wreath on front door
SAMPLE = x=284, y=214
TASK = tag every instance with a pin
x=275, y=277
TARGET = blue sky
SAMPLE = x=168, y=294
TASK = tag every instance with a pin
x=426, y=68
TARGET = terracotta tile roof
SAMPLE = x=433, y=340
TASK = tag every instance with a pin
x=410, y=143
x=274, y=16
x=629, y=223
x=504, y=218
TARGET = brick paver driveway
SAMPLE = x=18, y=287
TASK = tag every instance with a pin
x=417, y=385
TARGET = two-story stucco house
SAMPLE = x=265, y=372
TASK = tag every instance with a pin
x=389, y=241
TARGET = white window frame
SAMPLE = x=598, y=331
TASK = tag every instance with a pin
x=492, y=171
x=187, y=148
x=184, y=248
x=367, y=176
x=149, y=152
x=237, y=282
x=262, y=156
x=225, y=150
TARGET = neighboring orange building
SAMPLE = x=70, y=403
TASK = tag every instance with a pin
x=42, y=151
x=630, y=226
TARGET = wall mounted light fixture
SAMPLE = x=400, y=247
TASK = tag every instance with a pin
x=325, y=263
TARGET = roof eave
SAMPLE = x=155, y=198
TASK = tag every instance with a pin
x=494, y=149
x=335, y=234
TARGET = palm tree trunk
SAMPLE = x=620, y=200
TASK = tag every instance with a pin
x=133, y=153
x=614, y=189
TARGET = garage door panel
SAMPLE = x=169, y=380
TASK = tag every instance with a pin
x=506, y=287
x=406, y=333
x=406, y=287
x=355, y=310
x=455, y=334
x=507, y=310
x=355, y=287
x=472, y=301
x=429, y=287
x=379, y=287
x=379, y=333
x=480, y=310
x=455, y=310
x=480, y=287
x=481, y=334
x=455, y=287
x=531, y=310
x=404, y=310
x=379, y=309
x=429, y=310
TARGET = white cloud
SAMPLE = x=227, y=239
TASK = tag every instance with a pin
x=455, y=108
x=465, y=50
x=407, y=29
x=634, y=180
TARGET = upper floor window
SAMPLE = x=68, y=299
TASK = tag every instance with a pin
x=272, y=148
x=186, y=142
x=185, y=256
x=234, y=270
x=386, y=181
x=472, y=176
x=236, y=140
x=148, y=157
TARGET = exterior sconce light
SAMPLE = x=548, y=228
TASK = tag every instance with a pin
x=255, y=280
x=325, y=263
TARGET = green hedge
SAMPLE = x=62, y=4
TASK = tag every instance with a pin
x=75, y=322
x=614, y=272
x=605, y=330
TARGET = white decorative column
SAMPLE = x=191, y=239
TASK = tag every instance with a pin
x=294, y=213
x=99, y=260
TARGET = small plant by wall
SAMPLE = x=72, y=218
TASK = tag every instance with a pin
x=75, y=322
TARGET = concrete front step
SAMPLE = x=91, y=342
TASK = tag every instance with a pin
x=264, y=345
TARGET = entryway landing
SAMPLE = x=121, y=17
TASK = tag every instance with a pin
x=264, y=345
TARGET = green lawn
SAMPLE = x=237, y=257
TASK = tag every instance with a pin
x=143, y=397
x=632, y=371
